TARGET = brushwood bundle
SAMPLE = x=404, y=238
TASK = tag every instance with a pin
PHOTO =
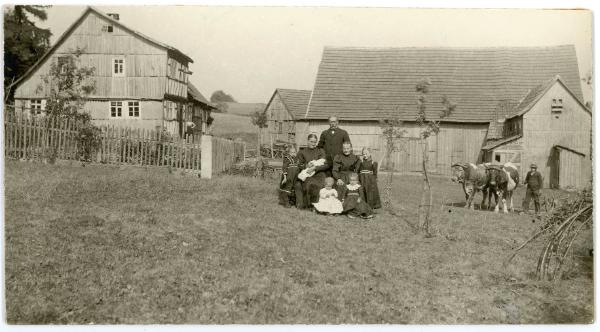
x=559, y=231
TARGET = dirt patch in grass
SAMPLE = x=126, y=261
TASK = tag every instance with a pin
x=107, y=245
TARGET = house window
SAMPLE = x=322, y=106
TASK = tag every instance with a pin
x=37, y=106
x=497, y=158
x=107, y=28
x=557, y=106
x=118, y=67
x=134, y=109
x=280, y=127
x=116, y=109
x=63, y=64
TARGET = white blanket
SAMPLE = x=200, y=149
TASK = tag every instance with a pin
x=314, y=163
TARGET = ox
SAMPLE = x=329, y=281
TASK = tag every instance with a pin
x=474, y=178
x=503, y=180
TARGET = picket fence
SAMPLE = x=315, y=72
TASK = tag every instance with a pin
x=43, y=138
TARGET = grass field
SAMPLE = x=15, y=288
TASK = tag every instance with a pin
x=234, y=126
x=100, y=244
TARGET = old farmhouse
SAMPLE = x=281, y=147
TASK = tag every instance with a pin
x=522, y=104
x=285, y=107
x=140, y=82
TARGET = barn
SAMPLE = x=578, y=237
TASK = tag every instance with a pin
x=283, y=110
x=551, y=128
x=489, y=86
x=140, y=82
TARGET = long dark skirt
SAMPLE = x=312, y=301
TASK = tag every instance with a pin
x=307, y=192
x=369, y=182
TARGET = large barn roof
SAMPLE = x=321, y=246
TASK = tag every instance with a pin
x=375, y=83
x=295, y=101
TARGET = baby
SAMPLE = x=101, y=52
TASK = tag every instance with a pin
x=328, y=202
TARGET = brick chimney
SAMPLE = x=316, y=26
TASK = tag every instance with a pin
x=114, y=16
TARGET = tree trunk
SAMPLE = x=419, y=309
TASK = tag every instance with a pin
x=427, y=194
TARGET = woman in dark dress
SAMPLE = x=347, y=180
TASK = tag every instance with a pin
x=344, y=165
x=288, y=177
x=307, y=191
x=367, y=174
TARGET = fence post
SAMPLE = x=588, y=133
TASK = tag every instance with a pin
x=206, y=159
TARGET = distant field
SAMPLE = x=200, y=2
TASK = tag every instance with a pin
x=101, y=244
x=234, y=126
x=244, y=109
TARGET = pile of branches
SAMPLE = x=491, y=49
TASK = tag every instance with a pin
x=559, y=230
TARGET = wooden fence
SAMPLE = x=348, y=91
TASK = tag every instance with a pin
x=43, y=138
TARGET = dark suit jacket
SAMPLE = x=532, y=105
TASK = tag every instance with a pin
x=331, y=141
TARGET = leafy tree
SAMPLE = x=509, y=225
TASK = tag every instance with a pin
x=259, y=119
x=428, y=128
x=66, y=88
x=220, y=96
x=24, y=43
x=222, y=107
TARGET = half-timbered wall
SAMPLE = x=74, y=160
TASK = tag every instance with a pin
x=177, y=78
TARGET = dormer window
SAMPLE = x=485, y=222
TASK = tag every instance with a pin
x=557, y=106
x=107, y=28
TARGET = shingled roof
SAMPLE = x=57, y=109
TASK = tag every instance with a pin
x=534, y=95
x=295, y=101
x=195, y=94
x=374, y=83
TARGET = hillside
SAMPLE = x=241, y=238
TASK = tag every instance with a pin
x=244, y=109
x=234, y=126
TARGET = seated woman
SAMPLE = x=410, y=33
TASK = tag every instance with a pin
x=344, y=165
x=307, y=191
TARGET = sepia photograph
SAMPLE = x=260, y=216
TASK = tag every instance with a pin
x=261, y=165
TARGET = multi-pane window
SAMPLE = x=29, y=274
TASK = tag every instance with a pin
x=134, y=109
x=118, y=67
x=107, y=28
x=63, y=64
x=116, y=109
x=37, y=106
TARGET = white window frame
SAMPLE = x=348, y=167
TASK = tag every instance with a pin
x=139, y=109
x=33, y=106
x=124, y=105
x=113, y=103
x=108, y=28
x=122, y=67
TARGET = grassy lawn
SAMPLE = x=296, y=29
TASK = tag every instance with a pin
x=107, y=245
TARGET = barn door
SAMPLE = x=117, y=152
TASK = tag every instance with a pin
x=569, y=169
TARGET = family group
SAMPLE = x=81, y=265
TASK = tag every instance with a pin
x=328, y=177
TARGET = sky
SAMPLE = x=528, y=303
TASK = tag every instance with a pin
x=250, y=51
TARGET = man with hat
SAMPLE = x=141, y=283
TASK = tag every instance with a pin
x=332, y=141
x=534, y=183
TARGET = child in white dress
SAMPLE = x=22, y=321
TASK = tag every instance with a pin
x=328, y=202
